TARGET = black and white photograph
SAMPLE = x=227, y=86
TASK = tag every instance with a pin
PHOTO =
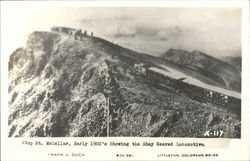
x=141, y=72
x=125, y=80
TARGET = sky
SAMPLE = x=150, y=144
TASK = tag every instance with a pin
x=215, y=31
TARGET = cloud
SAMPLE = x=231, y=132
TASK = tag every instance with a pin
x=165, y=34
x=147, y=30
x=125, y=23
x=162, y=35
x=88, y=21
x=216, y=31
x=123, y=17
x=120, y=31
x=102, y=19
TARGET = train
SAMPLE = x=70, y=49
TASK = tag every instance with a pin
x=216, y=95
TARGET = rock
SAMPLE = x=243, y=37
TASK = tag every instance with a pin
x=60, y=87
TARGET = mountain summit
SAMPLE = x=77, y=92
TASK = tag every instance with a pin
x=59, y=86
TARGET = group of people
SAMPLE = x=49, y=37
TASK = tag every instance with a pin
x=76, y=33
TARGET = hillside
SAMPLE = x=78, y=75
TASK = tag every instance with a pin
x=226, y=74
x=64, y=87
x=233, y=60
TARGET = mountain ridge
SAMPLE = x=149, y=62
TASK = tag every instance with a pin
x=61, y=87
x=233, y=60
x=219, y=70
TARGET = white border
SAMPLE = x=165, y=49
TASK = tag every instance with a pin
x=238, y=149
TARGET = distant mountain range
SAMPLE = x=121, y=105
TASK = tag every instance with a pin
x=227, y=73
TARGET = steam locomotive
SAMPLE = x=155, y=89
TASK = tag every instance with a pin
x=223, y=98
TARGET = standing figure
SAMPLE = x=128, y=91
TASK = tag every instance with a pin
x=70, y=32
x=85, y=33
x=77, y=33
x=80, y=34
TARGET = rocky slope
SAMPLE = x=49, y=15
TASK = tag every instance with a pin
x=226, y=74
x=233, y=60
x=64, y=87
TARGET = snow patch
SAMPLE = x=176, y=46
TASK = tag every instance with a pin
x=178, y=75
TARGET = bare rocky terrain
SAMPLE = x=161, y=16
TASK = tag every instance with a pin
x=236, y=61
x=60, y=87
x=226, y=73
